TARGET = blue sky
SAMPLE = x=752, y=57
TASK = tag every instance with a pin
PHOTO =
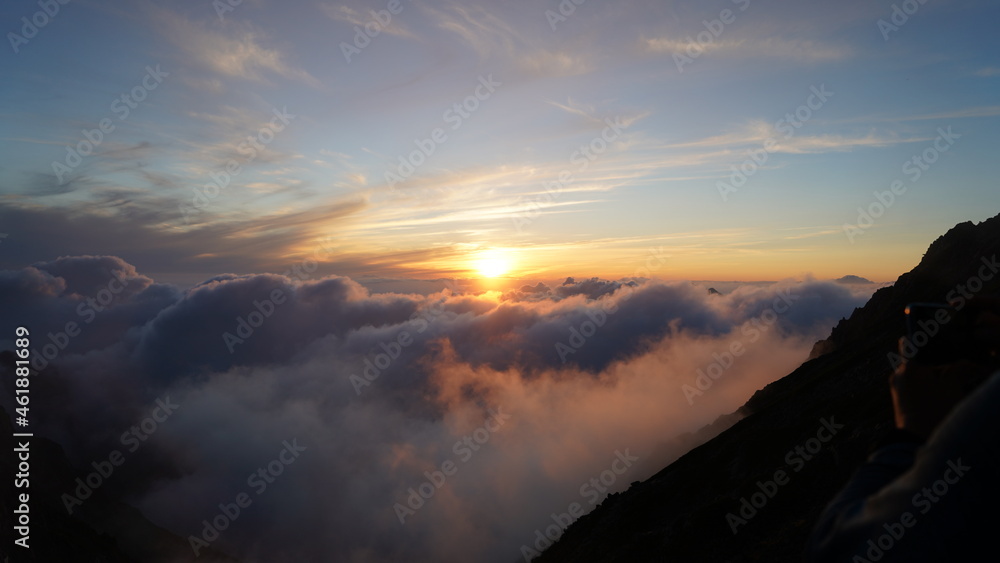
x=479, y=197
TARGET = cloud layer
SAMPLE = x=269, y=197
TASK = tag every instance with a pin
x=510, y=402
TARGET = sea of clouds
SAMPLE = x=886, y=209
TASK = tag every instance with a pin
x=521, y=397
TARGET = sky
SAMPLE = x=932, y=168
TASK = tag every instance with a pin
x=346, y=238
x=509, y=140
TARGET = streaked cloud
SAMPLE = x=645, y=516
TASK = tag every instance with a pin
x=361, y=16
x=232, y=51
x=756, y=132
x=768, y=47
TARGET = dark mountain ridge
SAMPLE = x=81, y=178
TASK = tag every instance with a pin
x=694, y=509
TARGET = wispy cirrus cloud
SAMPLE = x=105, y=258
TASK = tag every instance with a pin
x=362, y=16
x=769, y=47
x=755, y=132
x=979, y=111
x=493, y=38
x=233, y=50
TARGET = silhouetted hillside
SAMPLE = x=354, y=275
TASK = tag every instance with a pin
x=101, y=530
x=680, y=514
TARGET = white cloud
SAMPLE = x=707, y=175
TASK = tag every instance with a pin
x=770, y=48
x=236, y=52
x=755, y=132
x=491, y=36
x=356, y=17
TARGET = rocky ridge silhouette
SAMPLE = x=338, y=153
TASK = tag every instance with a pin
x=691, y=510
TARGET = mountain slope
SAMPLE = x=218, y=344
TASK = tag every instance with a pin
x=683, y=512
x=102, y=530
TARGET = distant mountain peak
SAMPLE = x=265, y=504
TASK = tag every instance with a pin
x=850, y=278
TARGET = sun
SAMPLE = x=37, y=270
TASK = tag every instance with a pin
x=492, y=264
